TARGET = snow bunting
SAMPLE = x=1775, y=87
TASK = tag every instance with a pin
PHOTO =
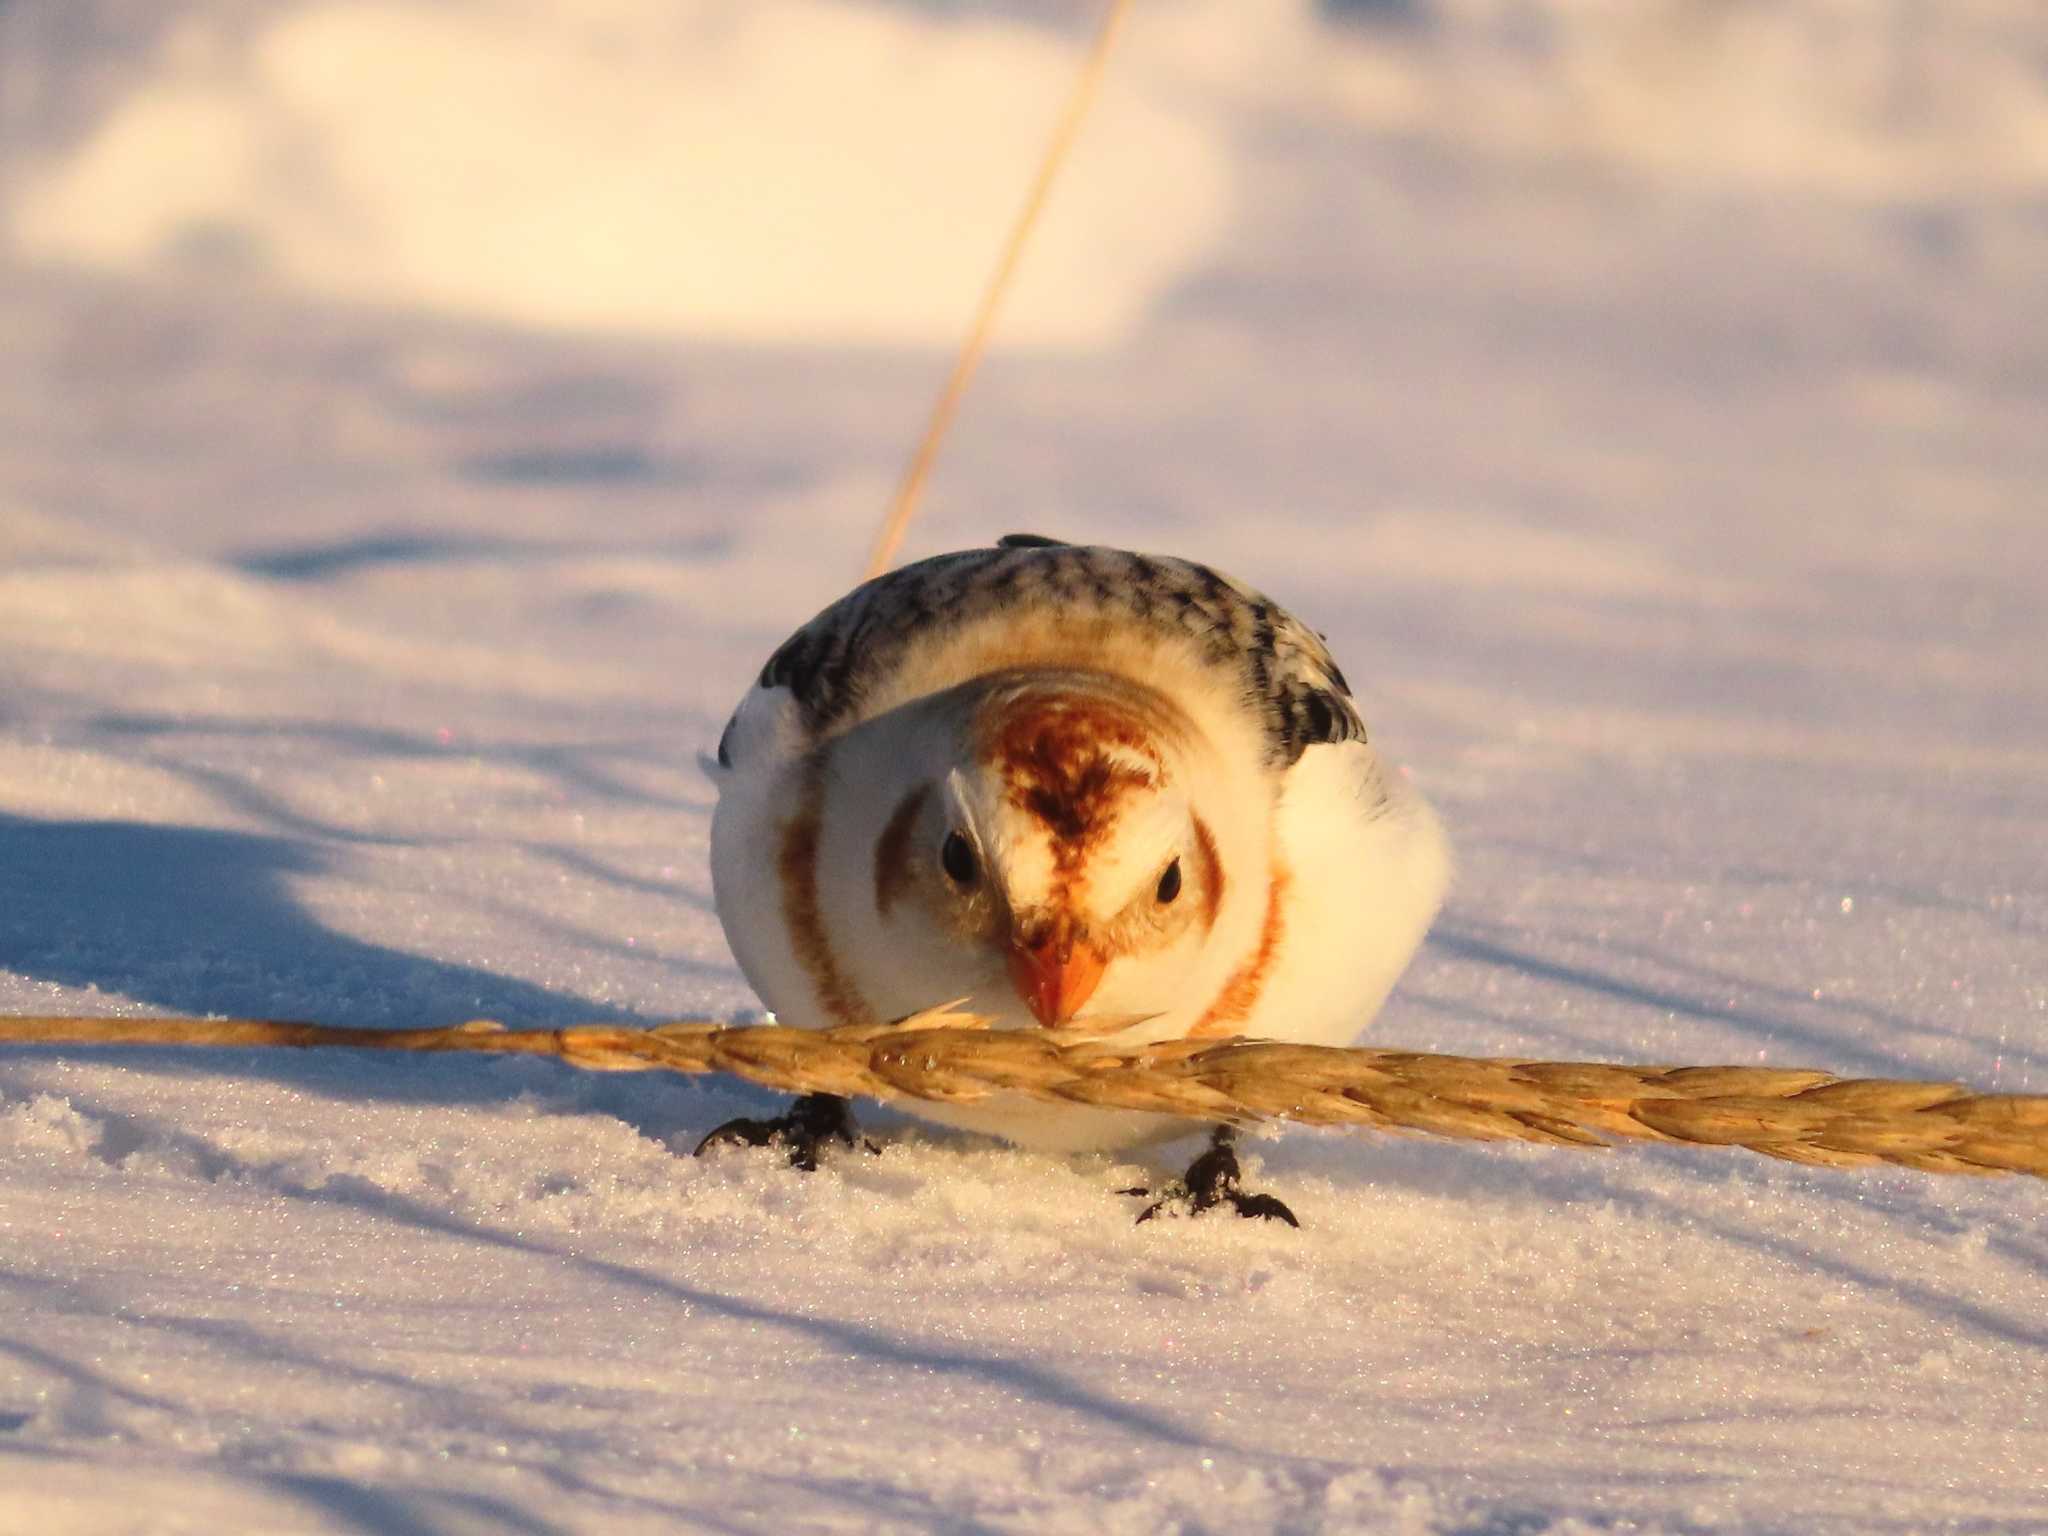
x=1070, y=785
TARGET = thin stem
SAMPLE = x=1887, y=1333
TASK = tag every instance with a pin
x=948, y=403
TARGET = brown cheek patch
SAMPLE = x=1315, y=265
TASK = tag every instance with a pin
x=1240, y=994
x=892, y=850
x=803, y=915
x=1210, y=874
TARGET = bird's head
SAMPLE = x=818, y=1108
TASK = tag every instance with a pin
x=1064, y=845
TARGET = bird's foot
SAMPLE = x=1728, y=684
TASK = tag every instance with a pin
x=807, y=1127
x=1215, y=1179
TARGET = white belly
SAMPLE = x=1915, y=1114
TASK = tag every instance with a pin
x=1367, y=867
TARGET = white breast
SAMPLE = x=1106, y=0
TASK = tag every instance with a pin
x=1361, y=864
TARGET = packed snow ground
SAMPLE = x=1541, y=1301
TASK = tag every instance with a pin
x=1676, y=507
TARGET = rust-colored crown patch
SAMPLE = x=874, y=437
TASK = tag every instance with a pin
x=1071, y=764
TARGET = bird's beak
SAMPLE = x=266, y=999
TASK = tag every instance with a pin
x=1055, y=976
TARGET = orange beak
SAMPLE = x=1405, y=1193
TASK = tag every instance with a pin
x=1055, y=977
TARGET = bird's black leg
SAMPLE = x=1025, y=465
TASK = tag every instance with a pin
x=806, y=1127
x=1213, y=1179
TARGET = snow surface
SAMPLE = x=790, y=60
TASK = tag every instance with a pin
x=1672, y=494
x=754, y=172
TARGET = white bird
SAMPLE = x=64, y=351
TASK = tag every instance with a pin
x=1070, y=785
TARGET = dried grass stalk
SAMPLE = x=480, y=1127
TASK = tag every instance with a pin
x=949, y=1057
x=897, y=519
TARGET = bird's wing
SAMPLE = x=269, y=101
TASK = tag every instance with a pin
x=1281, y=668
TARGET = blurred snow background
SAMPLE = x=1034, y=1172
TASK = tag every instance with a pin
x=418, y=420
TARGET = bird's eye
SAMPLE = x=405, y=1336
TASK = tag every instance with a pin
x=956, y=857
x=1169, y=883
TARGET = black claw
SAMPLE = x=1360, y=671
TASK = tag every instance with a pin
x=741, y=1133
x=1213, y=1179
x=1265, y=1207
x=811, y=1123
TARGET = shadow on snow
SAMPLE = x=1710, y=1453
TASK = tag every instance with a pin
x=194, y=921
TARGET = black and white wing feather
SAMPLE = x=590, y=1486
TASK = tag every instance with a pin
x=1282, y=668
